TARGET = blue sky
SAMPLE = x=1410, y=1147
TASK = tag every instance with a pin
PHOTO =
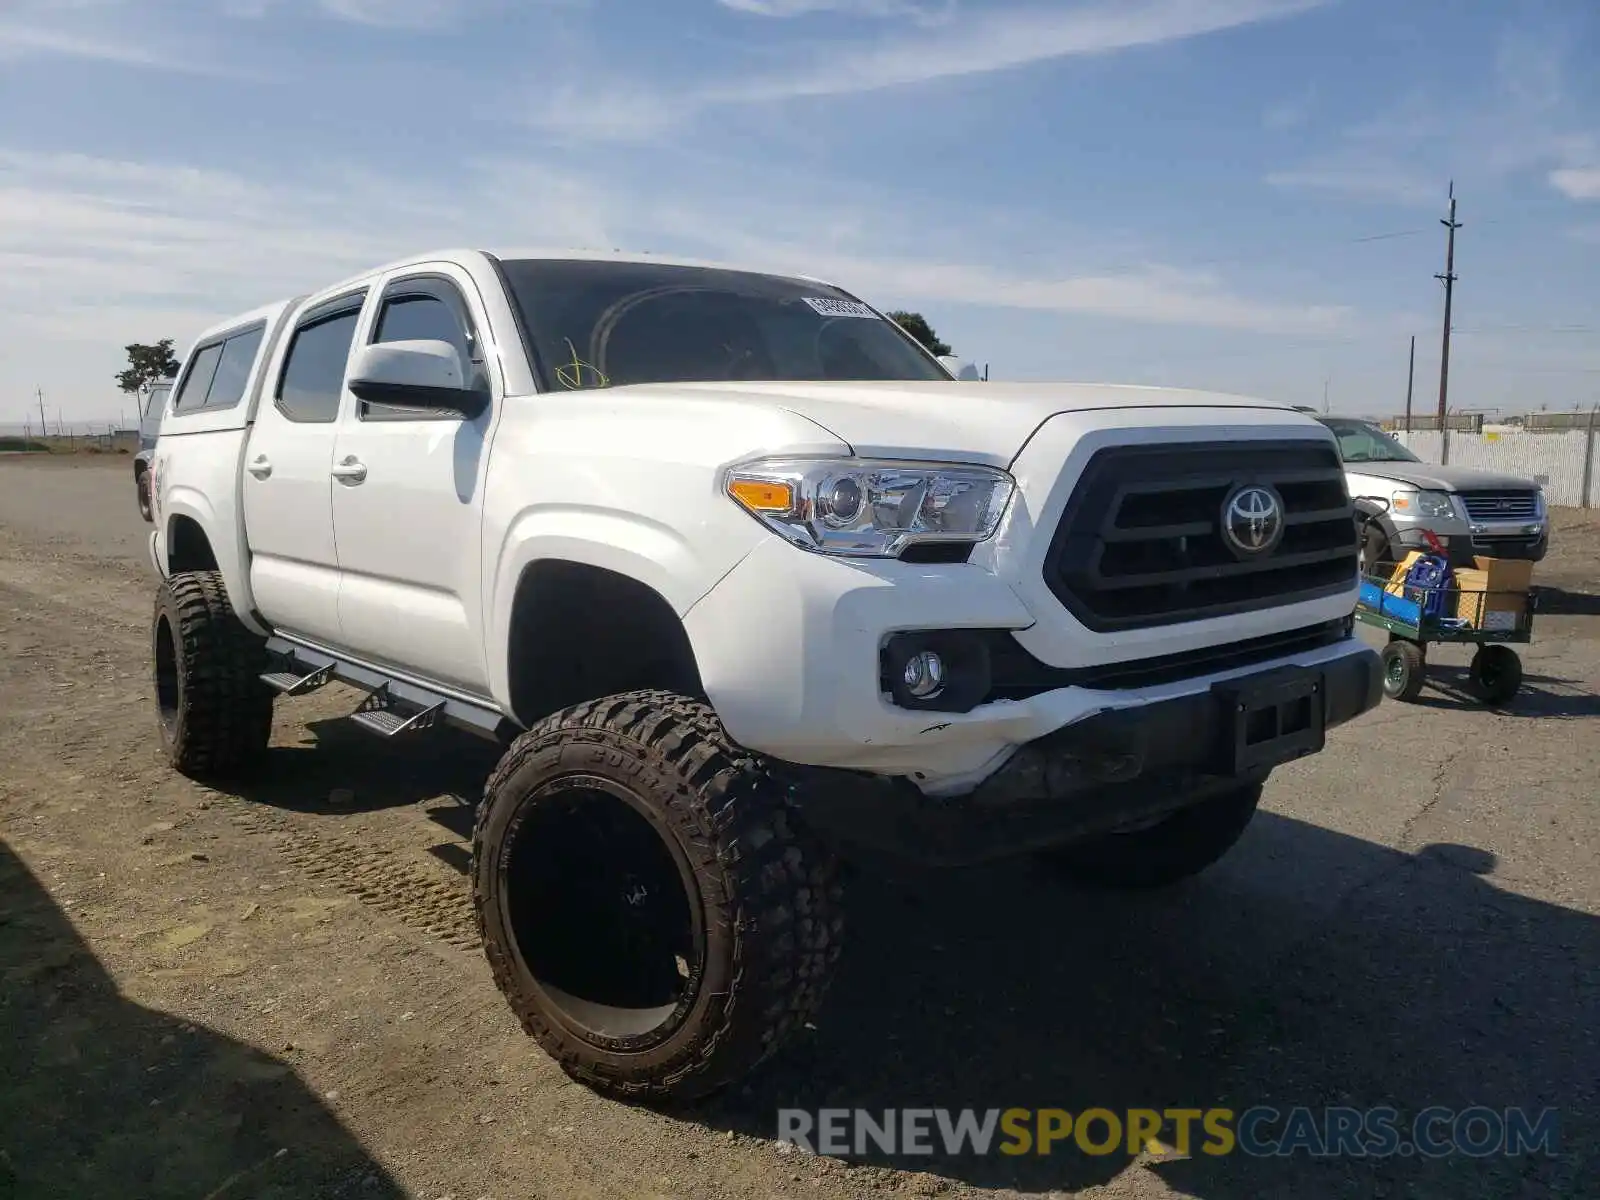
x=1235, y=194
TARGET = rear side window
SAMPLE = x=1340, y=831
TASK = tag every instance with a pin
x=233, y=369
x=197, y=381
x=313, y=374
x=220, y=372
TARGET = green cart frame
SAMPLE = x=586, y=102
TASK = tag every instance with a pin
x=1496, y=670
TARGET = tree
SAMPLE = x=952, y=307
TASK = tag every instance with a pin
x=147, y=365
x=917, y=326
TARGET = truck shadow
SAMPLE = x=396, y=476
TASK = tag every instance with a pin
x=369, y=773
x=100, y=1096
x=1308, y=968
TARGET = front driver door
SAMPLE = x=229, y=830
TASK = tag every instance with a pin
x=407, y=500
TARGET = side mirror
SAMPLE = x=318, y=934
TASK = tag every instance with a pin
x=963, y=370
x=419, y=374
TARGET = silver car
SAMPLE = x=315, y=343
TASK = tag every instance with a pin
x=1471, y=512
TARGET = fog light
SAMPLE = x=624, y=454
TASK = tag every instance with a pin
x=944, y=670
x=924, y=674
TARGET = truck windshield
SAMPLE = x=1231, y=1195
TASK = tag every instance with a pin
x=1362, y=441
x=595, y=324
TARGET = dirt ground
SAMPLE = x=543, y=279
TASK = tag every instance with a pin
x=278, y=993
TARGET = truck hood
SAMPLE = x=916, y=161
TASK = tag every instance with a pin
x=950, y=421
x=1435, y=478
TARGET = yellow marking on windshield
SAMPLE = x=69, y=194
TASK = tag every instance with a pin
x=571, y=374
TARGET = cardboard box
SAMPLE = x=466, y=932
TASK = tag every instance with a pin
x=1493, y=594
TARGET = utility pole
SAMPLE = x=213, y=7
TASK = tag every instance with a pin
x=1411, y=376
x=39, y=395
x=1449, y=278
x=1325, y=384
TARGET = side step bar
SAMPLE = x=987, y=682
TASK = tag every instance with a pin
x=384, y=715
x=392, y=706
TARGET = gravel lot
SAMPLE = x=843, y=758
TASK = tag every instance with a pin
x=272, y=994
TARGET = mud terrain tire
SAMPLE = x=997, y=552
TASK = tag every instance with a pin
x=214, y=712
x=761, y=925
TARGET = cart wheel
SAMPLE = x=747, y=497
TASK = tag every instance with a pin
x=1496, y=673
x=1403, y=670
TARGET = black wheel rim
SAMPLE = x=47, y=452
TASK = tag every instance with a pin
x=603, y=913
x=169, y=687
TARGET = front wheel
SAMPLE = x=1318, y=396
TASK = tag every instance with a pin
x=1173, y=849
x=141, y=485
x=1496, y=674
x=649, y=908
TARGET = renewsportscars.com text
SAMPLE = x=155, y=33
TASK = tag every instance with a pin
x=1260, y=1131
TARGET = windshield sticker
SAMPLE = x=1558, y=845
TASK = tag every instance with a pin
x=840, y=308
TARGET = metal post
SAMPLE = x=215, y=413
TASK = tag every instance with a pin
x=1449, y=279
x=1588, y=459
x=1411, y=376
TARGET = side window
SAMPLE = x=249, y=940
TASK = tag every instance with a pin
x=233, y=369
x=313, y=374
x=415, y=310
x=197, y=380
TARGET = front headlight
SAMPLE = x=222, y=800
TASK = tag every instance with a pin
x=870, y=508
x=1436, y=505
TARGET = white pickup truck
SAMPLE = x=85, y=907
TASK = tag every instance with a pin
x=738, y=574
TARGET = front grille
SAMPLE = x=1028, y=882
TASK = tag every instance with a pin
x=1501, y=506
x=1141, y=541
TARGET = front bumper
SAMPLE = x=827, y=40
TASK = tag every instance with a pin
x=788, y=649
x=1107, y=772
x=1463, y=545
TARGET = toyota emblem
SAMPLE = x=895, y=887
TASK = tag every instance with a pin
x=1252, y=520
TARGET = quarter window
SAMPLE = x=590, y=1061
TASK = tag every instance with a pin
x=233, y=369
x=197, y=382
x=313, y=375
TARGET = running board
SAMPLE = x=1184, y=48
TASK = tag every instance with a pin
x=381, y=713
x=293, y=683
x=392, y=707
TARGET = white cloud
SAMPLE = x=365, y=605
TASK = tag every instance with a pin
x=949, y=43
x=997, y=40
x=1364, y=180
x=851, y=8
x=96, y=253
x=1577, y=183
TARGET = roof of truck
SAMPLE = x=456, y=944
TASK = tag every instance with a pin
x=507, y=254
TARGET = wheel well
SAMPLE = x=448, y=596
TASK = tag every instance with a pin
x=580, y=632
x=188, y=548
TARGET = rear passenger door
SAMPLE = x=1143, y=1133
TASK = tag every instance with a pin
x=288, y=482
x=407, y=506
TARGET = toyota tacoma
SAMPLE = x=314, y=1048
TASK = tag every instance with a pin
x=738, y=574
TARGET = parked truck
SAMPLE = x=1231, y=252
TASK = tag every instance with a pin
x=739, y=576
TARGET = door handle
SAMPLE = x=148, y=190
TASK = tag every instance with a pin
x=350, y=470
x=260, y=467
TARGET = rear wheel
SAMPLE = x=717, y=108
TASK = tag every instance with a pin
x=1404, y=669
x=1173, y=849
x=215, y=713
x=1496, y=674
x=648, y=906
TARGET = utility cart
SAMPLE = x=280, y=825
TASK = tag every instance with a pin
x=1416, y=616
